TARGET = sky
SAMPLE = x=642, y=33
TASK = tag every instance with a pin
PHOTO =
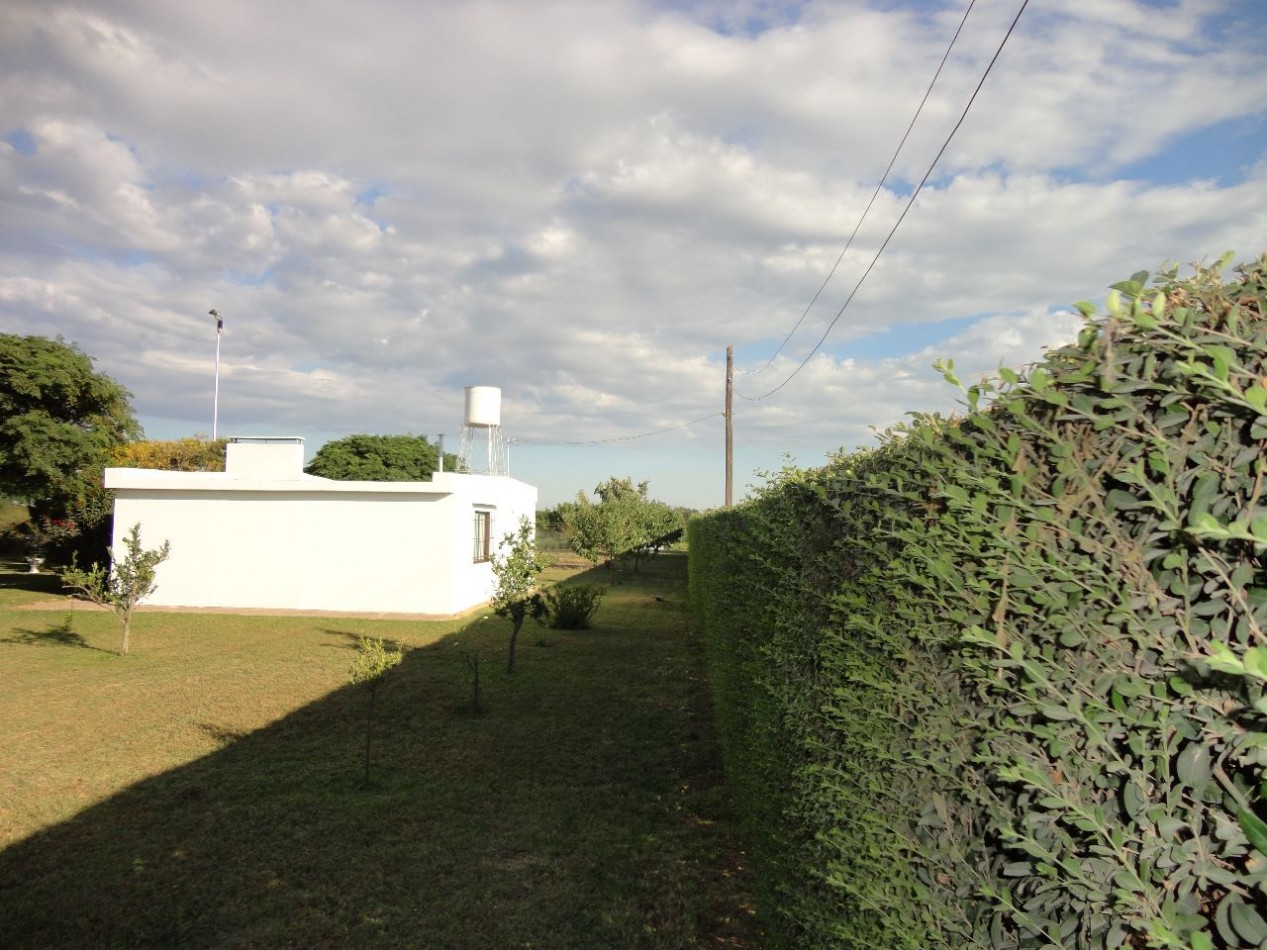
x=584, y=203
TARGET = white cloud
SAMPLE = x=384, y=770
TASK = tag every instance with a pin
x=585, y=203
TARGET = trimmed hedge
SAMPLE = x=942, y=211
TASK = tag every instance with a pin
x=1000, y=682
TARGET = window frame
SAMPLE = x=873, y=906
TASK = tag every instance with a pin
x=482, y=549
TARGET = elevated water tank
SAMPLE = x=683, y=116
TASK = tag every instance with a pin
x=483, y=407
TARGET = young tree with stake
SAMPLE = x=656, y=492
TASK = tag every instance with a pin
x=374, y=662
x=123, y=585
x=516, y=568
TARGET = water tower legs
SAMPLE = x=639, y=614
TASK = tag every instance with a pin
x=482, y=450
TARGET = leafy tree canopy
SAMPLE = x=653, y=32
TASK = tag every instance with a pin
x=379, y=458
x=624, y=520
x=58, y=418
x=192, y=454
x=622, y=489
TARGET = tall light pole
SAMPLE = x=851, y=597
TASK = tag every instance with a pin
x=215, y=405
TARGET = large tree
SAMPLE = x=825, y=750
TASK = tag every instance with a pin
x=379, y=458
x=58, y=419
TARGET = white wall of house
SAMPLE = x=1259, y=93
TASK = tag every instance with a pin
x=263, y=534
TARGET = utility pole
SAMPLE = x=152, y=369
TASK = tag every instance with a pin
x=730, y=429
x=215, y=403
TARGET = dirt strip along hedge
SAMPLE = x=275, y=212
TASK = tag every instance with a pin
x=1000, y=682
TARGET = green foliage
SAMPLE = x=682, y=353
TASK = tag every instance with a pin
x=516, y=566
x=624, y=521
x=375, y=659
x=58, y=421
x=58, y=418
x=170, y=455
x=379, y=458
x=572, y=606
x=553, y=519
x=1000, y=683
x=42, y=536
x=374, y=662
x=124, y=584
x=621, y=489
x=14, y=530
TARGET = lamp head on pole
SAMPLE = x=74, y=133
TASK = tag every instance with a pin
x=219, y=320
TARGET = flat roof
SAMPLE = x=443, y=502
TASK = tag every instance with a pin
x=442, y=483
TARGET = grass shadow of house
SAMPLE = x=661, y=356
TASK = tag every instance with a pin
x=586, y=808
x=15, y=575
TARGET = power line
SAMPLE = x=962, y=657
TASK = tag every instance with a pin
x=902, y=216
x=620, y=438
x=875, y=194
x=972, y=99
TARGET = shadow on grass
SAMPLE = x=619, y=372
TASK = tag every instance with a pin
x=60, y=635
x=15, y=576
x=667, y=567
x=585, y=807
x=655, y=582
x=220, y=734
x=351, y=640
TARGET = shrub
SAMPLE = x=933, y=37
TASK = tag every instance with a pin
x=1002, y=682
x=47, y=537
x=572, y=607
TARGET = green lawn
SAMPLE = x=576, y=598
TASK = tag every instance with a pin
x=11, y=515
x=205, y=790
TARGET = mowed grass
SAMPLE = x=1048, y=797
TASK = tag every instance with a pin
x=206, y=790
x=11, y=515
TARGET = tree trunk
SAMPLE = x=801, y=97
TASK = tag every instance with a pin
x=127, y=629
x=514, y=635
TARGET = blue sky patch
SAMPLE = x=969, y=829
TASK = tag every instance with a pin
x=370, y=195
x=137, y=258
x=895, y=341
x=22, y=142
x=749, y=20
x=133, y=257
x=248, y=279
x=1223, y=152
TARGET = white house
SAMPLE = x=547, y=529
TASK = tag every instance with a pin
x=263, y=533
